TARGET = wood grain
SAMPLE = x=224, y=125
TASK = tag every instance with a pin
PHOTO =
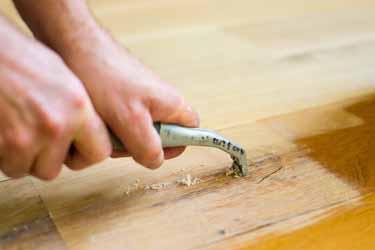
x=291, y=81
x=355, y=224
x=25, y=221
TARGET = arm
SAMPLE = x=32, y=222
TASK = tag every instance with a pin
x=43, y=113
x=127, y=95
x=58, y=23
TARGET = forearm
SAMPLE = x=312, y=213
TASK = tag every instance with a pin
x=5, y=40
x=58, y=23
x=13, y=43
x=121, y=88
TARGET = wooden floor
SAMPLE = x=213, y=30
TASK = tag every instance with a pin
x=292, y=81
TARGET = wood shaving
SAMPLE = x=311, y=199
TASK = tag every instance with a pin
x=230, y=172
x=157, y=186
x=136, y=184
x=128, y=190
x=132, y=187
x=188, y=180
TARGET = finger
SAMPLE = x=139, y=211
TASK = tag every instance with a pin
x=136, y=131
x=14, y=166
x=170, y=153
x=186, y=116
x=50, y=161
x=174, y=110
x=17, y=155
x=92, y=144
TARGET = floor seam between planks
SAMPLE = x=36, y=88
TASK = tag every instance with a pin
x=49, y=214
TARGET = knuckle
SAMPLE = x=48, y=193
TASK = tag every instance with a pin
x=175, y=101
x=78, y=101
x=19, y=140
x=135, y=114
x=177, y=104
x=54, y=126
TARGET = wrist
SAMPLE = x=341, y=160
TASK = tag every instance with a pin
x=13, y=43
x=60, y=23
x=74, y=37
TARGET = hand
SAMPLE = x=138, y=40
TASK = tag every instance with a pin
x=44, y=109
x=128, y=96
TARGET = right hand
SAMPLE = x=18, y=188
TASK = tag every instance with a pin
x=44, y=110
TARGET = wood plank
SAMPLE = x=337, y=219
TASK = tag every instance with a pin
x=257, y=62
x=292, y=175
x=25, y=221
x=169, y=16
x=258, y=58
x=292, y=81
x=345, y=229
x=340, y=140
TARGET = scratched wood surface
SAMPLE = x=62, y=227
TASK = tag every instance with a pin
x=291, y=81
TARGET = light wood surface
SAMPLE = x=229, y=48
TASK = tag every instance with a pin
x=291, y=81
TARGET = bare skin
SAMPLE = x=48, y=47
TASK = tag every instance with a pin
x=44, y=109
x=127, y=95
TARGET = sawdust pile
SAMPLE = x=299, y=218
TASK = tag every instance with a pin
x=232, y=172
x=186, y=180
x=157, y=186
